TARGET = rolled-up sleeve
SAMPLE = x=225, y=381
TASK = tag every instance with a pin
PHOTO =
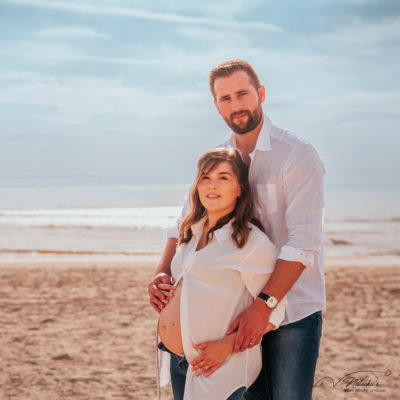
x=278, y=314
x=303, y=191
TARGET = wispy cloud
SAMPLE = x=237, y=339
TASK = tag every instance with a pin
x=130, y=12
x=361, y=2
x=367, y=34
x=69, y=32
x=55, y=52
x=223, y=37
x=85, y=98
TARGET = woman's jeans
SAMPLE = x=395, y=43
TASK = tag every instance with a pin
x=178, y=370
x=289, y=358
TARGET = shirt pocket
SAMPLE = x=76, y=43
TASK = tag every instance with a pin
x=266, y=198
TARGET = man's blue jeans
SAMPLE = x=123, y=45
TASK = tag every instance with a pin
x=289, y=358
x=178, y=370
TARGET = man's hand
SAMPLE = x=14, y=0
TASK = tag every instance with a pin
x=251, y=325
x=160, y=291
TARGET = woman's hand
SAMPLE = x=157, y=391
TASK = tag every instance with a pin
x=213, y=355
x=160, y=290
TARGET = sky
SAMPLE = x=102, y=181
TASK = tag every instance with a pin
x=117, y=91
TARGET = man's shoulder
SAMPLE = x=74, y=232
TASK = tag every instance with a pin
x=284, y=138
x=289, y=146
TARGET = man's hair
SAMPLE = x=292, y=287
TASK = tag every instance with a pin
x=227, y=68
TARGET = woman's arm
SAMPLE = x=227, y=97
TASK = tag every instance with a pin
x=215, y=352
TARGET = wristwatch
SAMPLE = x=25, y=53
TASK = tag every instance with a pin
x=270, y=301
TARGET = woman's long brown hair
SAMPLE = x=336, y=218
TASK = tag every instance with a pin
x=244, y=209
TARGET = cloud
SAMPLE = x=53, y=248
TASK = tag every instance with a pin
x=360, y=2
x=361, y=104
x=81, y=99
x=57, y=52
x=360, y=35
x=231, y=9
x=130, y=12
x=69, y=32
x=223, y=37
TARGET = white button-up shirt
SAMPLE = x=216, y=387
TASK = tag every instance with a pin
x=219, y=282
x=286, y=177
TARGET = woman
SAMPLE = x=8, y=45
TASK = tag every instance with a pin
x=222, y=262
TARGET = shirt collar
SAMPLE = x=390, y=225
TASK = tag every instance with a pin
x=264, y=138
x=221, y=235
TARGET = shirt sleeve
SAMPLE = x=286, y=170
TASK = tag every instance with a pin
x=173, y=232
x=256, y=269
x=303, y=190
x=278, y=314
x=258, y=265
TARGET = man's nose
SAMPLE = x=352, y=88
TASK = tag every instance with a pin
x=236, y=105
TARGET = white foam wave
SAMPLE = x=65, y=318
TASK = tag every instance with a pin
x=137, y=217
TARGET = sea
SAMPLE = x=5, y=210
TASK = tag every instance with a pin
x=51, y=218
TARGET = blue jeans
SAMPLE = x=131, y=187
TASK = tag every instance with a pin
x=178, y=370
x=289, y=358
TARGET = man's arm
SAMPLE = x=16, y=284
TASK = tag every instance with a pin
x=303, y=190
x=160, y=288
x=251, y=323
x=162, y=276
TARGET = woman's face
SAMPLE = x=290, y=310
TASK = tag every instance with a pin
x=219, y=189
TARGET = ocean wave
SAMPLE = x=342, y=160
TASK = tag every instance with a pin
x=140, y=217
x=128, y=228
x=78, y=252
x=171, y=212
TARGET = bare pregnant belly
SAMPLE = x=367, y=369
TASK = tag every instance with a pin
x=169, y=324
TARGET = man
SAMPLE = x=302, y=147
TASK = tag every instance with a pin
x=286, y=176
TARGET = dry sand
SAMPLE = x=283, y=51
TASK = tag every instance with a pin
x=84, y=330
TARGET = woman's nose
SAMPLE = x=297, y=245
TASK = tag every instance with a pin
x=212, y=183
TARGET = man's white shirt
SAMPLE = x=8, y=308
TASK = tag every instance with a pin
x=286, y=178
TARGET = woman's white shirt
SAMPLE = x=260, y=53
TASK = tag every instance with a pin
x=219, y=282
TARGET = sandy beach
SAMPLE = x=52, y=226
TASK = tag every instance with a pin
x=85, y=330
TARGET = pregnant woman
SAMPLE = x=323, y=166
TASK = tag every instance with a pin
x=222, y=262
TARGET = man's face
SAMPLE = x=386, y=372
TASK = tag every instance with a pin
x=239, y=102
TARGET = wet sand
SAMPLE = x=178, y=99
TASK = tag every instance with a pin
x=85, y=330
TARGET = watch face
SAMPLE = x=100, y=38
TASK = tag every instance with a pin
x=272, y=302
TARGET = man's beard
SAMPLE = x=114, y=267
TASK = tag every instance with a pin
x=253, y=120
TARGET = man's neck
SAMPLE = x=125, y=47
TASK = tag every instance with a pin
x=247, y=142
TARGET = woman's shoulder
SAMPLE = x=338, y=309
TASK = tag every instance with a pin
x=257, y=236
x=257, y=232
x=258, y=251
